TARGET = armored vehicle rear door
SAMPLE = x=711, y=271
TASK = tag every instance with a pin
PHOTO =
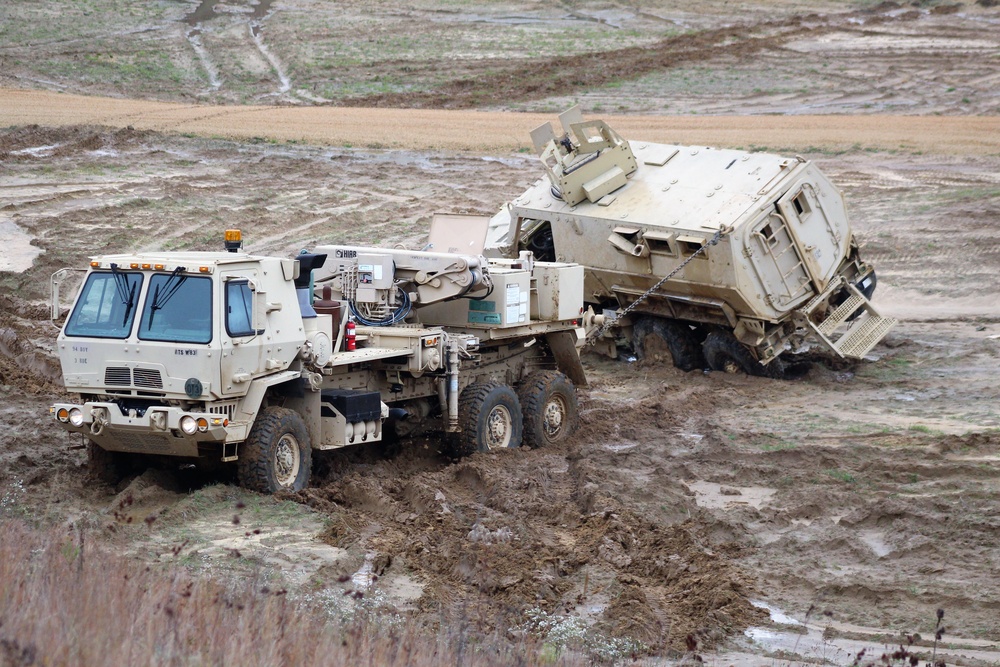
x=810, y=228
x=771, y=247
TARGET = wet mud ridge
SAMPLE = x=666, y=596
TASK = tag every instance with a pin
x=538, y=530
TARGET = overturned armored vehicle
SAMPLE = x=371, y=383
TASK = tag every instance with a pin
x=718, y=258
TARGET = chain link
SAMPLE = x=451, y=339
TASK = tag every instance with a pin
x=591, y=339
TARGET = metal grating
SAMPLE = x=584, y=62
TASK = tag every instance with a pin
x=117, y=377
x=226, y=409
x=148, y=378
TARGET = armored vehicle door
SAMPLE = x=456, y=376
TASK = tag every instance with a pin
x=810, y=227
x=776, y=260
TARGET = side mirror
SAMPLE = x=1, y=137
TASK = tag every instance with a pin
x=55, y=282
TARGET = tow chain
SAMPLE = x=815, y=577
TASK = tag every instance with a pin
x=591, y=339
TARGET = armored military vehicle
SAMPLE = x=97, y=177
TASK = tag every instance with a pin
x=720, y=258
x=227, y=357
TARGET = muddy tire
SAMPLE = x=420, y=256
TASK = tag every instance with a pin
x=656, y=336
x=105, y=466
x=549, y=407
x=278, y=454
x=726, y=354
x=490, y=417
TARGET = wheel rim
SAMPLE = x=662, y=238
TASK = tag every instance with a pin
x=554, y=417
x=499, y=427
x=731, y=366
x=286, y=460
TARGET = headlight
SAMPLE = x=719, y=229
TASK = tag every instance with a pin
x=62, y=415
x=189, y=425
x=202, y=424
x=76, y=417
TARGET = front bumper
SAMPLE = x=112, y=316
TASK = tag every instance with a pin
x=156, y=431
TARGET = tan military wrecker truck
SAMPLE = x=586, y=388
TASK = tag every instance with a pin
x=222, y=357
x=722, y=258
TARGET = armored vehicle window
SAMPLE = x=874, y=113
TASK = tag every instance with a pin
x=767, y=235
x=107, y=305
x=801, y=203
x=178, y=309
x=691, y=247
x=239, y=301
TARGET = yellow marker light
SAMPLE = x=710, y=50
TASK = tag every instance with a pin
x=134, y=265
x=234, y=235
x=158, y=267
x=94, y=265
x=63, y=415
x=431, y=342
x=147, y=266
x=202, y=424
x=204, y=269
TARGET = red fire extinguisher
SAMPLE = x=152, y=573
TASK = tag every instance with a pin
x=351, y=336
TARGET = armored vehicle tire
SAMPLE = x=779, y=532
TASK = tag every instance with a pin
x=724, y=353
x=650, y=333
x=105, y=466
x=549, y=406
x=490, y=417
x=278, y=454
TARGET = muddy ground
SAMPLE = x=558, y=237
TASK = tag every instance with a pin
x=804, y=518
x=866, y=492
x=785, y=56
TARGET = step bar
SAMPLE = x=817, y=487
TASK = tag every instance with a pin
x=854, y=339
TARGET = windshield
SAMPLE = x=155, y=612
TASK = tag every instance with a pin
x=106, y=307
x=178, y=309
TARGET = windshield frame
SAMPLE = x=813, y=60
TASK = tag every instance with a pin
x=167, y=294
x=111, y=296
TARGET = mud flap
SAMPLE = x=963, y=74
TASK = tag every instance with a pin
x=857, y=338
x=564, y=348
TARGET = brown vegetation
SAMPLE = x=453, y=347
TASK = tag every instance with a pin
x=65, y=599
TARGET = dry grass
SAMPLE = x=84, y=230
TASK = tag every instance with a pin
x=66, y=601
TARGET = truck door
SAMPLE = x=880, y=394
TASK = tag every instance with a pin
x=242, y=346
x=778, y=264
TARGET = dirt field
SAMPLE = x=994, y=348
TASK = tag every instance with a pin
x=800, y=520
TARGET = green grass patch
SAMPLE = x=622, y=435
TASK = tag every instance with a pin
x=840, y=475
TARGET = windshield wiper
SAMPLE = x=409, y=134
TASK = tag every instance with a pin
x=130, y=304
x=121, y=284
x=169, y=289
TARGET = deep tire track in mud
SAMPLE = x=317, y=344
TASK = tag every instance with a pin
x=500, y=534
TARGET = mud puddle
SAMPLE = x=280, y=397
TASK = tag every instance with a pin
x=827, y=641
x=18, y=252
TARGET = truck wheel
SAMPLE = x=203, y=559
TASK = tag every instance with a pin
x=105, y=466
x=490, y=417
x=550, y=409
x=724, y=353
x=656, y=336
x=278, y=454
